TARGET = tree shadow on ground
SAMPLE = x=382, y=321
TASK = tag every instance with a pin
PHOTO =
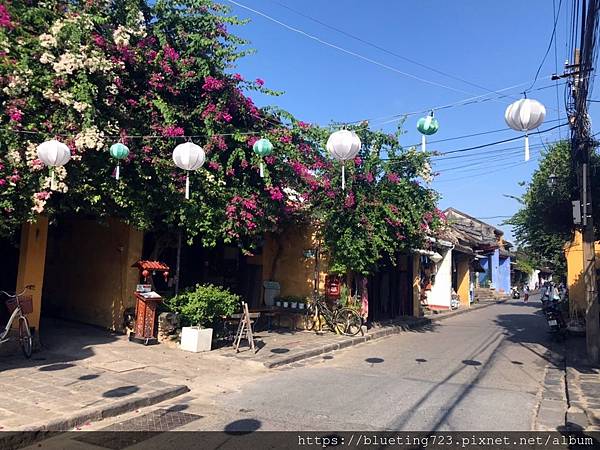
x=61, y=343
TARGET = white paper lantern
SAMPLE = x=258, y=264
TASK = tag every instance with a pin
x=524, y=115
x=188, y=156
x=53, y=153
x=343, y=145
x=436, y=257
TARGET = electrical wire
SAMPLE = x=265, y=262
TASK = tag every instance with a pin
x=552, y=36
x=344, y=50
x=556, y=16
x=383, y=49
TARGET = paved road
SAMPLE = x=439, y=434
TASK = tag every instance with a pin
x=483, y=370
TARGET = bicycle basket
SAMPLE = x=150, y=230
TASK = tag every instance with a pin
x=26, y=302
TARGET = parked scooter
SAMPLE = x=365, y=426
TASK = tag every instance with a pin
x=554, y=315
x=514, y=293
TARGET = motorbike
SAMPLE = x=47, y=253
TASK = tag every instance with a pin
x=514, y=293
x=555, y=319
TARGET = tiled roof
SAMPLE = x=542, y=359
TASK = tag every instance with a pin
x=151, y=265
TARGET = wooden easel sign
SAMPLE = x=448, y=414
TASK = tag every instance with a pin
x=244, y=330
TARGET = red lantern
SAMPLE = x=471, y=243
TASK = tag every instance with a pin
x=145, y=273
x=166, y=275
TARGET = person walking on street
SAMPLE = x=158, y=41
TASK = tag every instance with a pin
x=526, y=293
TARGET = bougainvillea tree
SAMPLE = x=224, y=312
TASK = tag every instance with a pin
x=152, y=75
x=146, y=74
x=386, y=207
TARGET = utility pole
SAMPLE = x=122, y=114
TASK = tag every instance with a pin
x=581, y=147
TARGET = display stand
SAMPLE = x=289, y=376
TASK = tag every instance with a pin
x=146, y=303
x=244, y=330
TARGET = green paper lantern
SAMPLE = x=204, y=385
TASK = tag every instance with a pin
x=427, y=126
x=262, y=147
x=118, y=151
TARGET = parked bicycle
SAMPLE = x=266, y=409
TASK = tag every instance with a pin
x=344, y=321
x=19, y=305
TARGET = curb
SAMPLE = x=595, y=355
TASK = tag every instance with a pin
x=99, y=413
x=377, y=334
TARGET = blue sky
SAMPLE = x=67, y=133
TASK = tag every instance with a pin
x=492, y=44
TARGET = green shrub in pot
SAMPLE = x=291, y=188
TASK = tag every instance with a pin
x=203, y=305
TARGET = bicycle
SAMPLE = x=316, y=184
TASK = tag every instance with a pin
x=344, y=321
x=19, y=305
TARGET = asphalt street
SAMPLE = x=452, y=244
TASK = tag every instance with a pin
x=483, y=370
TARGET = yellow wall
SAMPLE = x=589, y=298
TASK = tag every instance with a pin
x=462, y=277
x=574, y=256
x=284, y=261
x=32, y=257
x=89, y=277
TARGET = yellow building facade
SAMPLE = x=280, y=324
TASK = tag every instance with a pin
x=574, y=256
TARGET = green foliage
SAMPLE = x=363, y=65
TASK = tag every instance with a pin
x=545, y=223
x=204, y=304
x=386, y=208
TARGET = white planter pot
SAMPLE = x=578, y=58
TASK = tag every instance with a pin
x=278, y=304
x=300, y=305
x=294, y=305
x=195, y=339
x=285, y=304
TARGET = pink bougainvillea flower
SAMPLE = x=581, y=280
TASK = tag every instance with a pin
x=15, y=114
x=2, y=182
x=5, y=17
x=170, y=53
x=369, y=177
x=393, y=178
x=224, y=116
x=98, y=40
x=210, y=109
x=212, y=84
x=349, y=202
x=237, y=77
x=260, y=81
x=287, y=139
x=358, y=160
x=219, y=141
x=251, y=140
x=173, y=131
x=214, y=165
x=269, y=159
x=275, y=193
x=303, y=125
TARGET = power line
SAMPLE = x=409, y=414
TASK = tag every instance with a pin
x=465, y=136
x=467, y=149
x=556, y=16
x=548, y=49
x=382, y=49
x=344, y=50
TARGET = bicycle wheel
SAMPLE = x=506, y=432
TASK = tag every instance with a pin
x=309, y=320
x=25, y=338
x=348, y=322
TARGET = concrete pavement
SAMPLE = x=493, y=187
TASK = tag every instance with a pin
x=479, y=371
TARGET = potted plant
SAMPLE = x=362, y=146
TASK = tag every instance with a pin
x=278, y=302
x=199, y=308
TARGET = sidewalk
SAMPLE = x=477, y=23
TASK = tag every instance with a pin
x=84, y=374
x=583, y=385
